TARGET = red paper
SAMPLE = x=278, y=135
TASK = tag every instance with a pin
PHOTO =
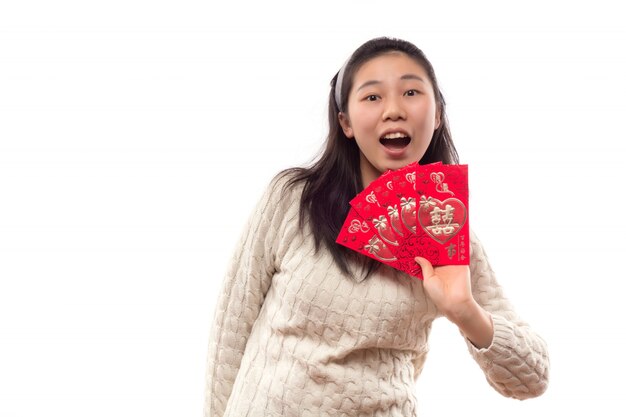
x=418, y=210
x=357, y=235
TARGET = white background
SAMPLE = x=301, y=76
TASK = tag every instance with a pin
x=136, y=137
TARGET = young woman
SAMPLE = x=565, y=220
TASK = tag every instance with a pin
x=305, y=327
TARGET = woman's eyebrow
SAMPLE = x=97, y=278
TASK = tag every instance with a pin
x=412, y=77
x=368, y=83
x=404, y=77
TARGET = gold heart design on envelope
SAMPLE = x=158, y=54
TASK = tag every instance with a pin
x=441, y=220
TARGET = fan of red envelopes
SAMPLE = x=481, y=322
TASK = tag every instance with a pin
x=418, y=210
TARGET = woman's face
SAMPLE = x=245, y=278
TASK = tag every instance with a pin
x=391, y=113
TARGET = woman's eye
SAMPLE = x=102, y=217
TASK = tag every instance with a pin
x=412, y=92
x=371, y=97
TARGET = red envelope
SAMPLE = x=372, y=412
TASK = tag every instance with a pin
x=357, y=235
x=418, y=211
x=392, y=195
x=443, y=213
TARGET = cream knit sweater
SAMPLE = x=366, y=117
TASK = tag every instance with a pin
x=294, y=336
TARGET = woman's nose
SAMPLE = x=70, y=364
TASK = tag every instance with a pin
x=394, y=109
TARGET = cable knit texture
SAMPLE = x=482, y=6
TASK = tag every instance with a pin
x=294, y=336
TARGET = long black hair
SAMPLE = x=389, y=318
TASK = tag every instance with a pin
x=335, y=178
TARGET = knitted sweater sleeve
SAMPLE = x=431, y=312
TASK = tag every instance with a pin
x=516, y=363
x=244, y=288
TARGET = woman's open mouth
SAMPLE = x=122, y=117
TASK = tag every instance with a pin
x=395, y=141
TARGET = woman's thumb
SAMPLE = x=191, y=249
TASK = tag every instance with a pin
x=427, y=267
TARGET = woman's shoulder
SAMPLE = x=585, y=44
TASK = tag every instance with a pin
x=287, y=184
x=282, y=193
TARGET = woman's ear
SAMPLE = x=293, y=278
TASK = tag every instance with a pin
x=344, y=121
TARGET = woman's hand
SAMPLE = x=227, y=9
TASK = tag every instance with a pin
x=450, y=288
